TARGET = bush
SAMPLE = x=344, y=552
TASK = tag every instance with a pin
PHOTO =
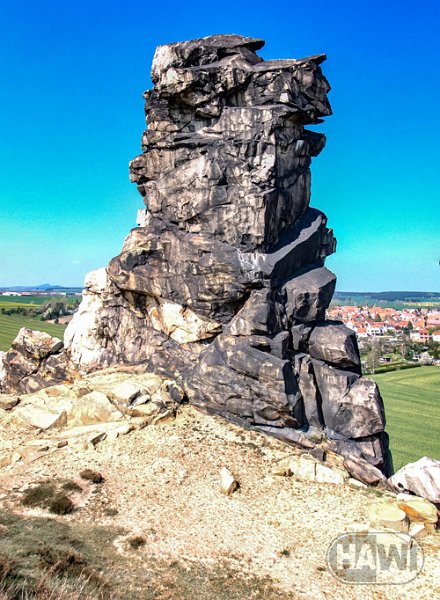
x=45, y=495
x=93, y=476
x=137, y=542
x=71, y=486
x=61, y=505
x=38, y=496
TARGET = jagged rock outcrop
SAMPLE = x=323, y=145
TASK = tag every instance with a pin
x=421, y=477
x=223, y=286
x=33, y=362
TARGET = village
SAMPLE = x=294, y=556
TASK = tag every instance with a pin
x=390, y=335
x=422, y=324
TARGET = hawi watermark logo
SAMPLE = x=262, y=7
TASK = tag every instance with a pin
x=375, y=558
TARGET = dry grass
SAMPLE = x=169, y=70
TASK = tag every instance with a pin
x=42, y=559
x=45, y=495
x=55, y=561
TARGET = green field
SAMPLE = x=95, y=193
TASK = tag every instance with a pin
x=9, y=326
x=34, y=301
x=412, y=405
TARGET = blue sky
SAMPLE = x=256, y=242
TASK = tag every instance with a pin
x=71, y=117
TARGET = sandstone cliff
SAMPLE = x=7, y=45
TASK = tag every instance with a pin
x=223, y=286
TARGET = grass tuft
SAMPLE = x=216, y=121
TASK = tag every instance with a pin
x=71, y=486
x=39, y=495
x=61, y=505
x=137, y=542
x=93, y=476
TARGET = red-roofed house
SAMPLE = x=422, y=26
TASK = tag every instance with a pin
x=420, y=335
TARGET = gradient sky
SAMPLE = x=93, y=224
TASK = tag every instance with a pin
x=71, y=117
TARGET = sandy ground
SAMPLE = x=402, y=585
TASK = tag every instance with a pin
x=164, y=482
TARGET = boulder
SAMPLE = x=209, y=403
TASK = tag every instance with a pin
x=257, y=317
x=305, y=244
x=309, y=295
x=310, y=393
x=32, y=363
x=305, y=467
x=333, y=475
x=418, y=531
x=36, y=345
x=180, y=323
x=86, y=437
x=125, y=393
x=335, y=344
x=351, y=406
x=159, y=262
x=94, y=407
x=109, y=327
x=387, y=514
x=290, y=436
x=8, y=401
x=421, y=477
x=363, y=471
x=418, y=509
x=282, y=467
x=300, y=336
x=40, y=418
x=372, y=449
x=234, y=378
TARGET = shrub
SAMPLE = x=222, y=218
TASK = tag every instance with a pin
x=71, y=486
x=137, y=542
x=93, y=476
x=38, y=496
x=61, y=505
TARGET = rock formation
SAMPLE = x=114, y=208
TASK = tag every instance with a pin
x=34, y=361
x=223, y=286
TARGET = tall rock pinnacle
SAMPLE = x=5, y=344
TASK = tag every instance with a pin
x=223, y=286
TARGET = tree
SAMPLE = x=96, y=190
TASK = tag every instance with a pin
x=426, y=359
x=374, y=355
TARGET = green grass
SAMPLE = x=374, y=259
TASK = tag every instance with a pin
x=10, y=325
x=33, y=301
x=412, y=406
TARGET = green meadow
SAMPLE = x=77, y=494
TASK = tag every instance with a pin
x=33, y=301
x=412, y=405
x=10, y=325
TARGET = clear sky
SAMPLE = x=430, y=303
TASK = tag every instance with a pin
x=72, y=75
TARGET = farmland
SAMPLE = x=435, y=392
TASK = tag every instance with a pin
x=7, y=302
x=28, y=311
x=412, y=405
x=10, y=325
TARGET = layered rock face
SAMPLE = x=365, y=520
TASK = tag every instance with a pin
x=34, y=361
x=223, y=286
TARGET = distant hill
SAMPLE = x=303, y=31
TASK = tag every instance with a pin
x=44, y=287
x=48, y=286
x=389, y=296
